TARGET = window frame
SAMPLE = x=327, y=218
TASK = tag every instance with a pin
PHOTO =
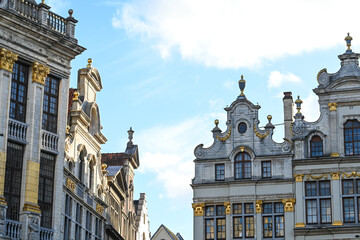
x=352, y=141
x=273, y=215
x=243, y=214
x=313, y=141
x=241, y=160
x=49, y=118
x=221, y=175
x=20, y=71
x=262, y=169
x=355, y=196
x=217, y=214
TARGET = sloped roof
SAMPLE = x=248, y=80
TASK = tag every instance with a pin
x=113, y=170
x=168, y=231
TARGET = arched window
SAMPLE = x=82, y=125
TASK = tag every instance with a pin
x=81, y=165
x=316, y=146
x=242, y=166
x=71, y=166
x=352, y=137
x=94, y=122
x=91, y=174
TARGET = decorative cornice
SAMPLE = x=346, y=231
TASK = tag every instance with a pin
x=300, y=225
x=299, y=177
x=29, y=207
x=337, y=223
x=332, y=106
x=309, y=176
x=39, y=73
x=223, y=139
x=70, y=184
x=259, y=135
x=7, y=59
x=335, y=175
x=259, y=206
x=289, y=204
x=227, y=208
x=198, y=209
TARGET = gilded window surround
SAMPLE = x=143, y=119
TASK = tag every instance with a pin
x=70, y=184
x=309, y=176
x=335, y=175
x=2, y=177
x=7, y=59
x=39, y=73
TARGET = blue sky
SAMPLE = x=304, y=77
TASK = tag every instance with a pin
x=169, y=68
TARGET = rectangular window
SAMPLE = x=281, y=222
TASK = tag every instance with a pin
x=209, y=229
x=318, y=202
x=78, y=222
x=67, y=218
x=220, y=228
x=273, y=220
x=18, y=97
x=249, y=227
x=238, y=227
x=88, y=225
x=266, y=169
x=13, y=174
x=219, y=172
x=243, y=221
x=213, y=231
x=351, y=200
x=50, y=105
x=46, y=188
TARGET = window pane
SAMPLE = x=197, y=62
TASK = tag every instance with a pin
x=279, y=208
x=311, y=211
x=349, y=209
x=348, y=187
x=220, y=172
x=220, y=227
x=249, y=227
x=267, y=225
x=209, y=229
x=279, y=226
x=325, y=210
x=220, y=210
x=209, y=211
x=238, y=171
x=266, y=169
x=237, y=208
x=238, y=227
x=267, y=207
x=310, y=189
x=324, y=188
x=249, y=208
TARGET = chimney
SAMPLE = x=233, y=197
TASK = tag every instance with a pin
x=288, y=113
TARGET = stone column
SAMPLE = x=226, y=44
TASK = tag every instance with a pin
x=333, y=130
x=258, y=219
x=43, y=13
x=289, y=217
x=7, y=60
x=228, y=219
x=198, y=221
x=70, y=25
x=336, y=199
x=30, y=214
x=299, y=194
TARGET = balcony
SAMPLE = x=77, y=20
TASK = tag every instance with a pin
x=46, y=234
x=17, y=131
x=49, y=141
x=13, y=229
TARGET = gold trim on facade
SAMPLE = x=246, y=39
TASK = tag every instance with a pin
x=300, y=225
x=353, y=174
x=320, y=72
x=3, y=201
x=32, y=182
x=30, y=207
x=2, y=172
x=299, y=177
x=334, y=154
x=7, y=59
x=259, y=135
x=223, y=139
x=259, y=206
x=227, y=208
x=99, y=208
x=39, y=73
x=337, y=223
x=70, y=184
x=198, y=209
x=332, y=106
x=309, y=176
x=289, y=204
x=335, y=175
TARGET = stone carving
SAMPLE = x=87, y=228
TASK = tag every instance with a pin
x=39, y=73
x=33, y=227
x=223, y=139
x=199, y=153
x=7, y=59
x=289, y=204
x=323, y=77
x=259, y=206
x=332, y=106
x=198, y=209
x=227, y=208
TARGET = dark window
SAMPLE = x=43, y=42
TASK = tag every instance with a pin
x=67, y=221
x=273, y=220
x=266, y=169
x=219, y=172
x=91, y=175
x=351, y=200
x=213, y=231
x=13, y=170
x=352, y=137
x=242, y=127
x=88, y=225
x=19, y=83
x=81, y=165
x=318, y=202
x=50, y=106
x=46, y=188
x=98, y=227
x=316, y=146
x=243, y=221
x=242, y=166
x=78, y=221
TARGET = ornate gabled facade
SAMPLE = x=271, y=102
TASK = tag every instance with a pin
x=36, y=48
x=247, y=186
x=122, y=210
x=84, y=179
x=163, y=233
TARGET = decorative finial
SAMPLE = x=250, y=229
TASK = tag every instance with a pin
x=348, y=43
x=89, y=63
x=216, y=122
x=242, y=83
x=67, y=130
x=269, y=117
x=130, y=132
x=43, y=1
x=269, y=125
x=76, y=95
x=70, y=12
x=298, y=103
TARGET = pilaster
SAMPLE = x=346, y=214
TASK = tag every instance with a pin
x=258, y=220
x=333, y=130
x=228, y=219
x=289, y=216
x=336, y=200
x=198, y=220
x=299, y=195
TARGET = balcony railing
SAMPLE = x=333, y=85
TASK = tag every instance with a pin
x=56, y=22
x=13, y=229
x=27, y=9
x=49, y=141
x=17, y=130
x=46, y=234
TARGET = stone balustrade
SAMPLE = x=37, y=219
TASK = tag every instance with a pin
x=49, y=141
x=13, y=229
x=46, y=234
x=17, y=130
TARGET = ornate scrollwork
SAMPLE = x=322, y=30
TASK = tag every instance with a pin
x=223, y=139
x=289, y=204
x=353, y=174
x=198, y=209
x=227, y=208
x=259, y=206
x=7, y=59
x=199, y=152
x=287, y=145
x=309, y=176
x=259, y=135
x=39, y=72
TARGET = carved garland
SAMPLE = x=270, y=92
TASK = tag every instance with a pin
x=223, y=139
x=259, y=135
x=316, y=177
x=353, y=174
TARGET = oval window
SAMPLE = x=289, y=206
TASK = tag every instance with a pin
x=242, y=127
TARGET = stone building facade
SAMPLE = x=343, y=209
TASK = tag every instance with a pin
x=36, y=48
x=248, y=186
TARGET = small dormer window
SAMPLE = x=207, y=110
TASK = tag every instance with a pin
x=316, y=146
x=242, y=128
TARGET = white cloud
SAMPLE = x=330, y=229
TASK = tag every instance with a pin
x=310, y=107
x=277, y=79
x=233, y=33
x=167, y=151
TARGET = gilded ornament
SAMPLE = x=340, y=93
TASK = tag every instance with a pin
x=76, y=95
x=332, y=106
x=7, y=59
x=223, y=139
x=3, y=201
x=334, y=154
x=242, y=149
x=320, y=72
x=89, y=63
x=337, y=223
x=335, y=175
x=300, y=225
x=259, y=206
x=99, y=208
x=353, y=174
x=39, y=73
x=309, y=176
x=259, y=135
x=299, y=177
x=28, y=207
x=70, y=184
x=198, y=209
x=227, y=208
x=289, y=204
